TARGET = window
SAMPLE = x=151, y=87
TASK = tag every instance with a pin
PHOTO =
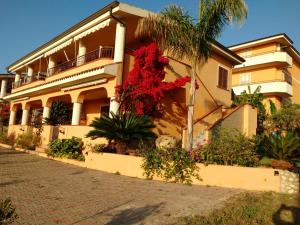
x=223, y=78
x=245, y=78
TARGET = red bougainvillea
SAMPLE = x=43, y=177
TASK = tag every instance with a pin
x=144, y=87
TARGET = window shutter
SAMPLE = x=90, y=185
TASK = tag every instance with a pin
x=223, y=78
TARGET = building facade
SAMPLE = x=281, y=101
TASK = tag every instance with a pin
x=272, y=63
x=84, y=64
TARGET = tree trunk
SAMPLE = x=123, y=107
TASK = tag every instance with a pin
x=190, y=120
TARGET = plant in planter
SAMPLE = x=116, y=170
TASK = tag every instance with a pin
x=123, y=129
x=70, y=148
x=283, y=148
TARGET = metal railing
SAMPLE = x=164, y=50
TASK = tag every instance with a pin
x=101, y=52
x=28, y=79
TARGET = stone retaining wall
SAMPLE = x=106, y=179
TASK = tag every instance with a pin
x=289, y=182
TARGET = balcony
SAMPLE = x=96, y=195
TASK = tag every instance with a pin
x=27, y=79
x=100, y=53
x=282, y=59
x=272, y=87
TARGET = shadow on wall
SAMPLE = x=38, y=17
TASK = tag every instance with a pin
x=134, y=215
x=174, y=114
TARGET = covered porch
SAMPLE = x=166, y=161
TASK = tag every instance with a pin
x=83, y=106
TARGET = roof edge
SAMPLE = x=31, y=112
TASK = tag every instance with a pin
x=260, y=39
x=68, y=31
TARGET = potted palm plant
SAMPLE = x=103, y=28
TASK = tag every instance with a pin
x=123, y=129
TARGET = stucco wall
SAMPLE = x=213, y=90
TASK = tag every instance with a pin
x=295, y=72
x=261, y=179
x=244, y=119
x=258, y=75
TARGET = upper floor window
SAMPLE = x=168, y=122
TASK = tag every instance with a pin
x=223, y=78
x=245, y=78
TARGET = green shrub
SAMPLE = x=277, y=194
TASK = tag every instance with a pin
x=69, y=148
x=282, y=146
x=229, y=146
x=172, y=164
x=265, y=161
x=8, y=139
x=28, y=140
x=285, y=119
x=60, y=113
x=7, y=212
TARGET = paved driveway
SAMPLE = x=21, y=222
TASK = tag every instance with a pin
x=50, y=192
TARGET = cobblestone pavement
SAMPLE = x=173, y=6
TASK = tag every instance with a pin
x=50, y=192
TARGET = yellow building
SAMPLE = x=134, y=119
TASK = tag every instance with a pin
x=83, y=65
x=272, y=63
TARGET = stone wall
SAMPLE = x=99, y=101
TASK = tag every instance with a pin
x=289, y=182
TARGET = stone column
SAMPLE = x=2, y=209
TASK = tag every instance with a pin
x=118, y=57
x=51, y=64
x=81, y=53
x=17, y=80
x=29, y=74
x=119, y=43
x=46, y=112
x=113, y=106
x=12, y=117
x=25, y=115
x=3, y=88
x=76, y=113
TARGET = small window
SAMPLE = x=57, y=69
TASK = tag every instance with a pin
x=245, y=78
x=223, y=78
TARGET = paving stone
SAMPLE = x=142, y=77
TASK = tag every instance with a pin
x=50, y=192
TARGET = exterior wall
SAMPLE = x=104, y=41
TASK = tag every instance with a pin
x=289, y=182
x=91, y=109
x=260, y=49
x=69, y=131
x=258, y=75
x=207, y=97
x=260, y=179
x=295, y=72
x=244, y=119
x=267, y=73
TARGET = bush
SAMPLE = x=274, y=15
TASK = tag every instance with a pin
x=69, y=148
x=282, y=146
x=7, y=212
x=172, y=164
x=109, y=148
x=8, y=139
x=60, y=113
x=28, y=140
x=285, y=119
x=229, y=146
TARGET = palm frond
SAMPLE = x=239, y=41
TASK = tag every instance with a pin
x=123, y=127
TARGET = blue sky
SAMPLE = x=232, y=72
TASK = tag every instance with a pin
x=26, y=24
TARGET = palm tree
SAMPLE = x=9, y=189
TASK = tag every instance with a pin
x=180, y=35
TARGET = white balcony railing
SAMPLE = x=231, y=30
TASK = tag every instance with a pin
x=274, y=87
x=271, y=57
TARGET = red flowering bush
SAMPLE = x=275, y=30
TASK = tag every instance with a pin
x=144, y=87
